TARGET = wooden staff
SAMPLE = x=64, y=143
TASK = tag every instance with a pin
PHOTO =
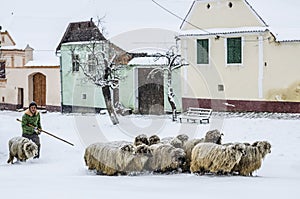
x=41, y=130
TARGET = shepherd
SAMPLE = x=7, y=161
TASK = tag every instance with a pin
x=31, y=125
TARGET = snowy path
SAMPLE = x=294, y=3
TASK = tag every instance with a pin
x=61, y=172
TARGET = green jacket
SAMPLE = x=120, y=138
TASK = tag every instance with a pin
x=29, y=118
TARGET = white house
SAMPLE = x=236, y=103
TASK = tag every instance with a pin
x=26, y=75
x=235, y=61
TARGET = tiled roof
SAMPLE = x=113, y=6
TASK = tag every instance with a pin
x=81, y=31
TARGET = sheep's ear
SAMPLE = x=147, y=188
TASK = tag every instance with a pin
x=255, y=143
x=233, y=146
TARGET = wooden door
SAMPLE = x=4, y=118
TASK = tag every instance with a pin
x=150, y=92
x=39, y=89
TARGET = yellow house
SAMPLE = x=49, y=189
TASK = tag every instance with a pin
x=235, y=62
x=26, y=75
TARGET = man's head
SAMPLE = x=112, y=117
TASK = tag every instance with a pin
x=32, y=107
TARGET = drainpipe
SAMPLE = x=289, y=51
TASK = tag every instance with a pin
x=185, y=72
x=260, y=66
x=58, y=54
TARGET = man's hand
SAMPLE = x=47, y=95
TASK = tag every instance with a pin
x=37, y=131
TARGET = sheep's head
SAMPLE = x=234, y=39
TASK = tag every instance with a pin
x=141, y=139
x=214, y=136
x=178, y=158
x=183, y=137
x=176, y=143
x=154, y=139
x=239, y=147
x=264, y=147
x=30, y=149
x=128, y=148
x=144, y=149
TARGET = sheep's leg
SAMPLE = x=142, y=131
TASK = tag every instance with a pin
x=10, y=159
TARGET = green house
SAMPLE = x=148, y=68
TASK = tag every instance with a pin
x=136, y=91
x=78, y=94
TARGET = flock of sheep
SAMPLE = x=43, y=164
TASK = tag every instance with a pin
x=176, y=154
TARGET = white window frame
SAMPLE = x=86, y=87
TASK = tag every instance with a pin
x=242, y=51
x=196, y=51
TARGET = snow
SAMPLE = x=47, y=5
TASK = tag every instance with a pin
x=61, y=171
x=148, y=61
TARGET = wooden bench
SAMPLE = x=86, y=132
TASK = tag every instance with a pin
x=193, y=114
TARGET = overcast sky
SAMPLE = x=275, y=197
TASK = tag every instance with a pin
x=43, y=23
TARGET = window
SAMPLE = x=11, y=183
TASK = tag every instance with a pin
x=75, y=63
x=202, y=51
x=91, y=63
x=234, y=50
x=2, y=70
x=220, y=87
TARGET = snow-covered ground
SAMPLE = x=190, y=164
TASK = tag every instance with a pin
x=61, y=172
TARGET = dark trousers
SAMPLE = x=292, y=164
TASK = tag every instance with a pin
x=36, y=139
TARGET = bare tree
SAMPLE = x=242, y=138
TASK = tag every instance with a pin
x=174, y=61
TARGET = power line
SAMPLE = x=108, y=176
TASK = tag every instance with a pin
x=177, y=16
x=195, y=26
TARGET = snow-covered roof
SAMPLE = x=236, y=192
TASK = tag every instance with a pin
x=215, y=31
x=44, y=58
x=148, y=61
x=15, y=47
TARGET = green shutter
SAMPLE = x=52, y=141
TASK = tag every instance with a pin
x=202, y=51
x=234, y=50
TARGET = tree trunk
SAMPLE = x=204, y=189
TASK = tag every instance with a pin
x=171, y=96
x=172, y=103
x=108, y=101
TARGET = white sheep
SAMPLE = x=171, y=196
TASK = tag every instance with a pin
x=253, y=158
x=188, y=147
x=213, y=136
x=214, y=158
x=166, y=158
x=115, y=158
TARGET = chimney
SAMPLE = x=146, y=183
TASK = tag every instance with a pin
x=28, y=54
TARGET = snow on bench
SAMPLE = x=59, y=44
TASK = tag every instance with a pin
x=201, y=114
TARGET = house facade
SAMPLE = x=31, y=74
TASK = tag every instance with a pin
x=235, y=62
x=24, y=79
x=82, y=41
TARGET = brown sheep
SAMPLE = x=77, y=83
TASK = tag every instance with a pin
x=252, y=160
